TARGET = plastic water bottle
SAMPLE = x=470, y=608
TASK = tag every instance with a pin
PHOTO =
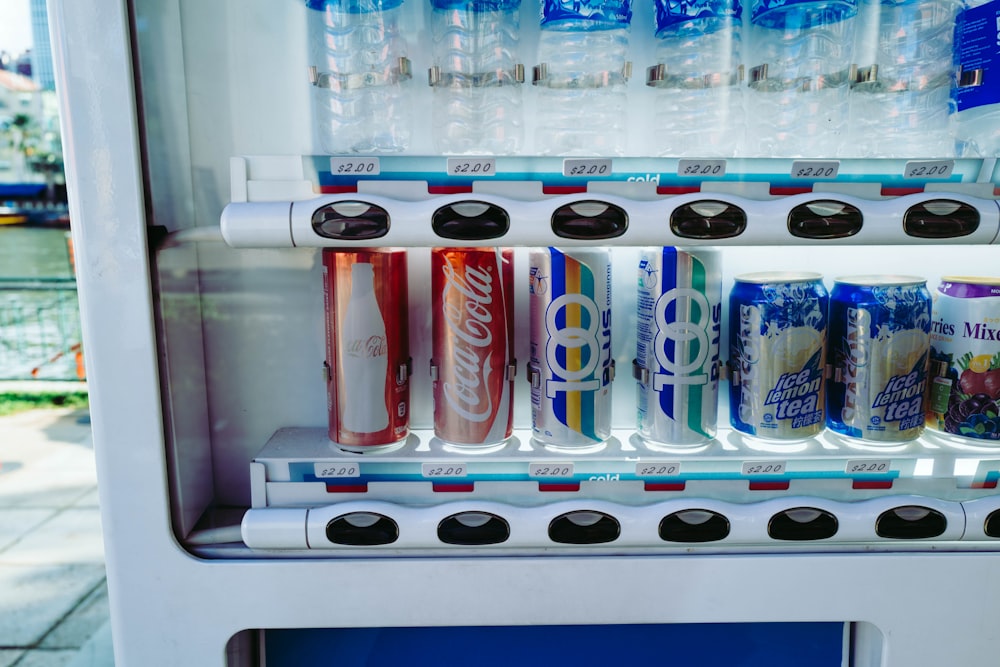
x=582, y=76
x=699, y=108
x=358, y=68
x=901, y=109
x=476, y=76
x=799, y=84
x=976, y=96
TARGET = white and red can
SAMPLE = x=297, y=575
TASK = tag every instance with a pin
x=472, y=366
x=367, y=348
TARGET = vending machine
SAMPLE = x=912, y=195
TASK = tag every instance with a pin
x=495, y=332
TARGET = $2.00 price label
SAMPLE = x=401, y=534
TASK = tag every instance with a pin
x=815, y=169
x=928, y=169
x=354, y=166
x=701, y=168
x=868, y=467
x=334, y=470
x=657, y=469
x=550, y=470
x=586, y=167
x=459, y=166
x=764, y=468
x=438, y=470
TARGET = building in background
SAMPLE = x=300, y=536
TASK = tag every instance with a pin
x=41, y=54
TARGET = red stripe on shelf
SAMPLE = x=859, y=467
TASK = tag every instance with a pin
x=347, y=488
x=448, y=189
x=899, y=192
x=872, y=484
x=337, y=189
x=768, y=486
x=677, y=189
x=989, y=484
x=563, y=189
x=664, y=486
x=567, y=486
x=790, y=190
x=447, y=487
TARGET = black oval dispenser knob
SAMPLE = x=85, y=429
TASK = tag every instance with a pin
x=910, y=522
x=584, y=527
x=470, y=221
x=473, y=529
x=708, y=219
x=693, y=526
x=992, y=524
x=824, y=219
x=362, y=529
x=589, y=220
x=801, y=524
x=941, y=219
x=351, y=221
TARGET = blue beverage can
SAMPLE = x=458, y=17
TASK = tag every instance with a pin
x=777, y=352
x=879, y=342
x=571, y=366
x=677, y=345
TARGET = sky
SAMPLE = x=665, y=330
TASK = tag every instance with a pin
x=15, y=26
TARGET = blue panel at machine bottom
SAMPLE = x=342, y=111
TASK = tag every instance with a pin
x=705, y=645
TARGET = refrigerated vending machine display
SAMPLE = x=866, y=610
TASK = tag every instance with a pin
x=528, y=351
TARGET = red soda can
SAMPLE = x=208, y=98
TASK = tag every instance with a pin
x=367, y=348
x=473, y=365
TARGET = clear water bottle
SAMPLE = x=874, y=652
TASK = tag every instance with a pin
x=976, y=95
x=699, y=108
x=358, y=68
x=798, y=104
x=582, y=77
x=900, y=108
x=476, y=76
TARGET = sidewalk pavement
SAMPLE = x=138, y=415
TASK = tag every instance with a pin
x=53, y=592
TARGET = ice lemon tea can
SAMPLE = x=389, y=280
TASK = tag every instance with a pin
x=965, y=359
x=879, y=333
x=777, y=352
x=677, y=345
x=571, y=366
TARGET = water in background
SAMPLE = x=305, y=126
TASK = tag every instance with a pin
x=39, y=314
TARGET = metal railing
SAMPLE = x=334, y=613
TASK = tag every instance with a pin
x=40, y=330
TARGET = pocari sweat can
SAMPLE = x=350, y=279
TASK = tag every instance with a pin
x=571, y=366
x=677, y=345
x=777, y=352
x=880, y=337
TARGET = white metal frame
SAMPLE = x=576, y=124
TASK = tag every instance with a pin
x=170, y=608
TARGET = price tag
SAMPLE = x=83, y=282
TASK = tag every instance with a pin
x=354, y=166
x=458, y=166
x=436, y=470
x=327, y=470
x=929, y=169
x=763, y=468
x=868, y=467
x=657, y=469
x=584, y=167
x=701, y=167
x=815, y=169
x=549, y=470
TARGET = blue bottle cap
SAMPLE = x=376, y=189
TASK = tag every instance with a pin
x=478, y=6
x=354, y=6
x=809, y=13
x=672, y=12
x=587, y=14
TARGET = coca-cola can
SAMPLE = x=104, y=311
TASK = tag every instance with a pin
x=472, y=367
x=367, y=348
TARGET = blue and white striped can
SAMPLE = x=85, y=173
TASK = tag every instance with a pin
x=677, y=345
x=571, y=366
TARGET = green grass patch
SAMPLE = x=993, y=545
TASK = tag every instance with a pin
x=14, y=402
